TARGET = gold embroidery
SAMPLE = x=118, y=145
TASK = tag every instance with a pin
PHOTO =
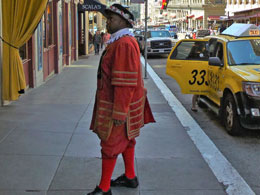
x=134, y=133
x=138, y=122
x=137, y=101
x=106, y=102
x=134, y=130
x=137, y=108
x=104, y=117
x=120, y=113
x=136, y=116
x=124, y=72
x=105, y=109
x=124, y=79
x=121, y=83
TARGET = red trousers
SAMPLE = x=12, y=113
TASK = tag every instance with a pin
x=116, y=143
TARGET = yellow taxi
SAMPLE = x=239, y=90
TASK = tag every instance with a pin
x=225, y=71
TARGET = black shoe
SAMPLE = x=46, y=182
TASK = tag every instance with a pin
x=125, y=182
x=98, y=191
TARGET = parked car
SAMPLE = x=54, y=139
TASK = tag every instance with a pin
x=158, y=42
x=226, y=75
x=202, y=33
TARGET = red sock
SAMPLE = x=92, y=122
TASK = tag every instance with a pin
x=129, y=160
x=108, y=166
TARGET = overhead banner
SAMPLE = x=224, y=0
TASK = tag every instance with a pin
x=91, y=5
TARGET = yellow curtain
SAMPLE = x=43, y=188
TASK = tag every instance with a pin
x=20, y=18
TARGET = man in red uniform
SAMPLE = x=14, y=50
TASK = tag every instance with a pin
x=121, y=106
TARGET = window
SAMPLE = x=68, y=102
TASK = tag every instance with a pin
x=251, y=57
x=158, y=34
x=191, y=51
x=23, y=52
x=219, y=51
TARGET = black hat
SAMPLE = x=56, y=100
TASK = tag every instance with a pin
x=121, y=11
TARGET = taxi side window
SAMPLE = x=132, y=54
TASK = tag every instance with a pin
x=190, y=51
x=216, y=50
x=219, y=52
x=182, y=51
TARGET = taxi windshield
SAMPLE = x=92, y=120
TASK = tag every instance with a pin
x=158, y=34
x=244, y=52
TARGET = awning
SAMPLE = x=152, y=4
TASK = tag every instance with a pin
x=199, y=18
x=210, y=18
x=190, y=16
x=92, y=5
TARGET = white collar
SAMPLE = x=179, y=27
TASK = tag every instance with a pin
x=117, y=35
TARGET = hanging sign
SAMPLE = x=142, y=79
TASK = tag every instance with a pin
x=91, y=5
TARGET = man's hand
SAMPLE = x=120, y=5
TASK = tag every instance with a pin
x=118, y=122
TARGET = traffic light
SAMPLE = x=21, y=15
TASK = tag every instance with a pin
x=164, y=4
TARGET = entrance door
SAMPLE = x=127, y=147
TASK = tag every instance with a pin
x=26, y=55
x=48, y=41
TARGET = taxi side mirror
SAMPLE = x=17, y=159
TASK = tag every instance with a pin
x=215, y=61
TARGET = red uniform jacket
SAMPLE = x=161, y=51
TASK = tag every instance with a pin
x=120, y=90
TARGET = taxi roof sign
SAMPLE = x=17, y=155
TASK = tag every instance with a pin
x=242, y=30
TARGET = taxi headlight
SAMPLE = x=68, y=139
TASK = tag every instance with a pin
x=251, y=89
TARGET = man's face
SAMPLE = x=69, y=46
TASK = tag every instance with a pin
x=115, y=23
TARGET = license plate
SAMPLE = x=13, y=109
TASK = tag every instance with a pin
x=161, y=50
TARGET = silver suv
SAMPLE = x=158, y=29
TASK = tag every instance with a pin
x=158, y=42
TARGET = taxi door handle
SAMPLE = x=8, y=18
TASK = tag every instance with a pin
x=176, y=65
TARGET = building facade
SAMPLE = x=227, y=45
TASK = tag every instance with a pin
x=56, y=42
x=53, y=45
x=187, y=14
x=243, y=11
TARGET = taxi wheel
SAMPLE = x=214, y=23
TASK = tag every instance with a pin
x=230, y=116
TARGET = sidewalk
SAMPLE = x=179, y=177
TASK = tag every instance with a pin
x=46, y=146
